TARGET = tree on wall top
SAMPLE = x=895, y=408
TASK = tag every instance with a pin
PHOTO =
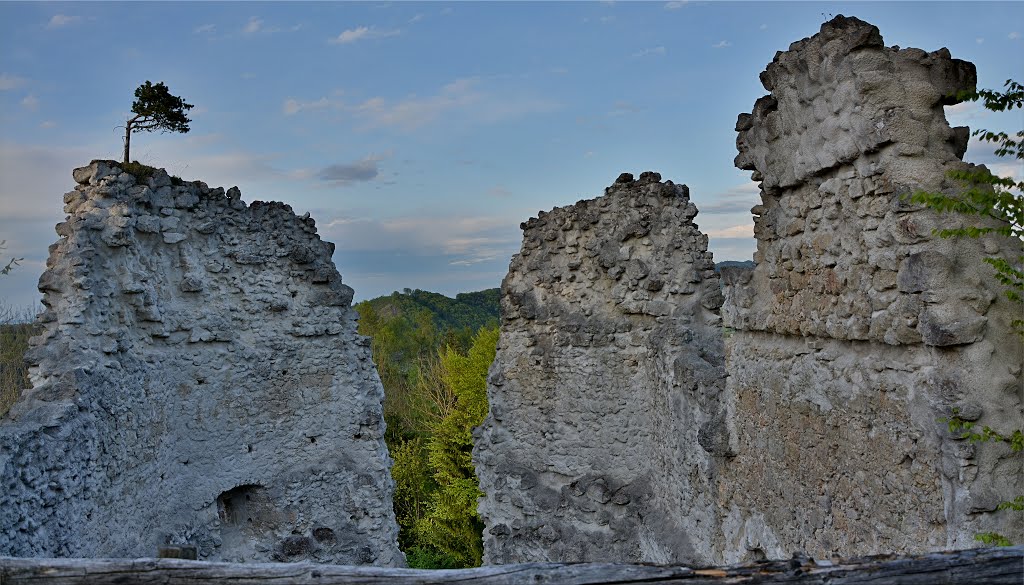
x=155, y=109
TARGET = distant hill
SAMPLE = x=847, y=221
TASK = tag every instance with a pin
x=731, y=263
x=471, y=310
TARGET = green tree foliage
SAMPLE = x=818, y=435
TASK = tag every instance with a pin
x=452, y=524
x=1001, y=201
x=423, y=343
x=155, y=109
x=16, y=328
x=10, y=263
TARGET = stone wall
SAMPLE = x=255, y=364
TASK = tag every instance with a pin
x=613, y=434
x=605, y=428
x=858, y=330
x=199, y=380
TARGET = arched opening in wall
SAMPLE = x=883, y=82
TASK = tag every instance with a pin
x=243, y=506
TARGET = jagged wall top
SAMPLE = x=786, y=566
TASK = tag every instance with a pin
x=198, y=380
x=842, y=93
x=851, y=129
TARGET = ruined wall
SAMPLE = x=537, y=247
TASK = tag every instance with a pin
x=858, y=329
x=199, y=380
x=605, y=426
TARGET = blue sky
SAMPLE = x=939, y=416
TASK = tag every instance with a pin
x=420, y=134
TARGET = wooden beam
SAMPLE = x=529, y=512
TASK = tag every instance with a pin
x=994, y=566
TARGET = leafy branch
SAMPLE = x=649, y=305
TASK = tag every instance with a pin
x=10, y=264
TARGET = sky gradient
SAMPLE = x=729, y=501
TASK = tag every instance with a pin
x=419, y=134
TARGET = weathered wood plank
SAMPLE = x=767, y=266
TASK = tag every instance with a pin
x=995, y=566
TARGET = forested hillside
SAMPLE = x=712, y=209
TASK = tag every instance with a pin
x=433, y=353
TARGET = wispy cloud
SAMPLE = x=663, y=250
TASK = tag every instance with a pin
x=737, y=231
x=980, y=40
x=659, y=50
x=48, y=124
x=463, y=241
x=62, y=20
x=738, y=199
x=256, y=25
x=8, y=82
x=293, y=106
x=465, y=97
x=204, y=29
x=362, y=33
x=359, y=171
x=30, y=102
x=499, y=191
x=622, y=108
x=676, y=5
x=1013, y=36
x=721, y=45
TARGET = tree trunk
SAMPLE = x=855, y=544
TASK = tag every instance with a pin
x=127, y=140
x=989, y=565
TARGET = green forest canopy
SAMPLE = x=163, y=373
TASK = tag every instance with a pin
x=432, y=353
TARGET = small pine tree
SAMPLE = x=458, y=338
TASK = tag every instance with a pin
x=155, y=109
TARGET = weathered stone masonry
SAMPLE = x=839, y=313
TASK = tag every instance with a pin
x=605, y=427
x=613, y=433
x=858, y=329
x=199, y=380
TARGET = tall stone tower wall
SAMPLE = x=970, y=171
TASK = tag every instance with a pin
x=613, y=432
x=199, y=380
x=605, y=425
x=858, y=329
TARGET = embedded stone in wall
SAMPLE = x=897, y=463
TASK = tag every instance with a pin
x=858, y=330
x=606, y=427
x=199, y=381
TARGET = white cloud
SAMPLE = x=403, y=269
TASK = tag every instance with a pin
x=416, y=18
x=204, y=29
x=965, y=113
x=736, y=231
x=676, y=5
x=659, y=50
x=62, y=20
x=253, y=26
x=30, y=102
x=48, y=124
x=1013, y=36
x=361, y=33
x=721, y=45
x=979, y=40
x=8, y=82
